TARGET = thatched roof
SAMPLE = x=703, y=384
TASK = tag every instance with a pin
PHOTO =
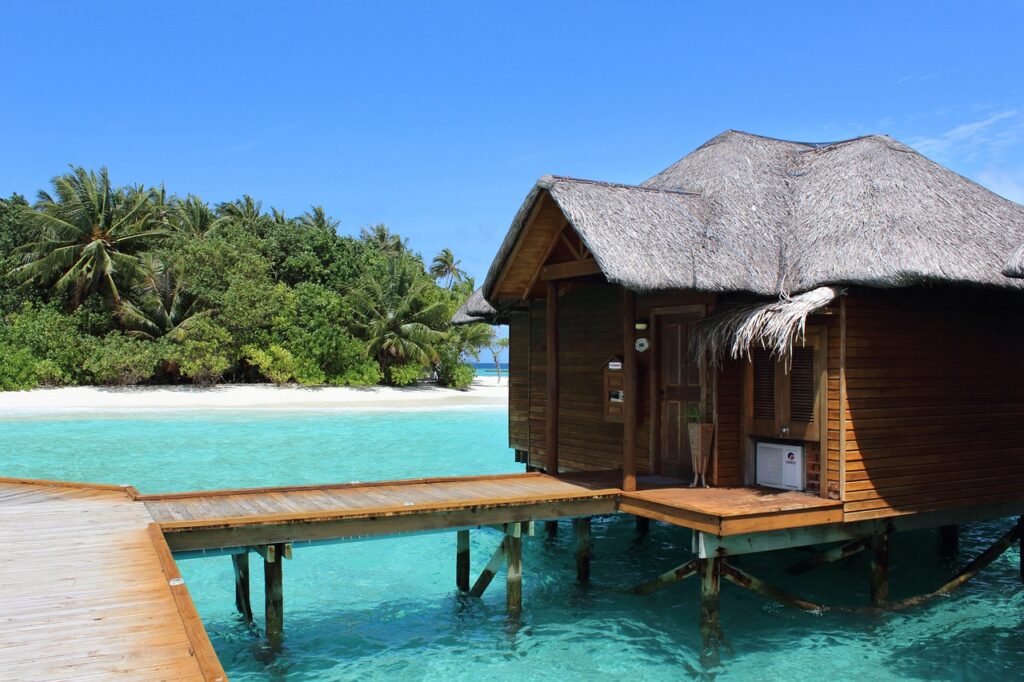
x=746, y=213
x=1015, y=266
x=476, y=309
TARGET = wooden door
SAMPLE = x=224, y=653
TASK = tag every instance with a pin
x=679, y=386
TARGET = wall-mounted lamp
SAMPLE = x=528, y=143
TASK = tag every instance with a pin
x=640, y=325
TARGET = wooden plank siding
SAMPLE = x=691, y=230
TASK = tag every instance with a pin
x=935, y=401
x=519, y=381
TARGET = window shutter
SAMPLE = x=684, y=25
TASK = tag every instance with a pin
x=801, y=386
x=764, y=385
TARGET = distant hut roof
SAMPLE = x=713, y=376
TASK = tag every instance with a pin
x=746, y=213
x=1015, y=265
x=476, y=309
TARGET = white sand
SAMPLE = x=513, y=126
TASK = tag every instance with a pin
x=485, y=392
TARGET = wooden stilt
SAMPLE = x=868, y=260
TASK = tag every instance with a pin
x=242, y=601
x=462, y=560
x=949, y=539
x=273, y=583
x=668, y=578
x=552, y=528
x=829, y=556
x=879, y=570
x=643, y=526
x=514, y=574
x=1020, y=536
x=710, y=585
x=582, y=526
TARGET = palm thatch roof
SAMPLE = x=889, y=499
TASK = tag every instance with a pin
x=476, y=309
x=745, y=213
x=1015, y=265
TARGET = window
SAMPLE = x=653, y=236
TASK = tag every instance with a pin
x=788, y=402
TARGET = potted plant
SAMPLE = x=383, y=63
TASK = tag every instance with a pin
x=701, y=434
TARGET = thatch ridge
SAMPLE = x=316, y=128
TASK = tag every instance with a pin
x=475, y=309
x=746, y=213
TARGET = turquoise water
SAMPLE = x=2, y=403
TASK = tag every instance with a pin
x=387, y=609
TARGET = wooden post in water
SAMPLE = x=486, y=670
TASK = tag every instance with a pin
x=643, y=526
x=514, y=575
x=949, y=539
x=1020, y=525
x=582, y=526
x=879, y=570
x=273, y=583
x=551, y=528
x=629, y=386
x=462, y=560
x=242, y=601
x=710, y=586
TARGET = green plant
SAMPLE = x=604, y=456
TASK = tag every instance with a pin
x=463, y=376
x=17, y=369
x=122, y=361
x=406, y=374
x=694, y=413
x=203, y=352
x=275, y=363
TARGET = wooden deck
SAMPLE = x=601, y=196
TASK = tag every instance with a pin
x=90, y=590
x=85, y=593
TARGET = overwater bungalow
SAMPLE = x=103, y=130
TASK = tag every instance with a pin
x=828, y=335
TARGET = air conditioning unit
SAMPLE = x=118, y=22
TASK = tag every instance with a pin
x=780, y=466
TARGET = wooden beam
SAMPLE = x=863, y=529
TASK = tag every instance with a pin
x=829, y=556
x=268, y=552
x=555, y=240
x=273, y=583
x=551, y=421
x=514, y=573
x=629, y=392
x=569, y=245
x=569, y=270
x=462, y=560
x=667, y=578
x=242, y=601
x=880, y=570
x=749, y=582
x=582, y=526
x=487, y=575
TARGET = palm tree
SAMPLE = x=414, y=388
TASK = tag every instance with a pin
x=394, y=317
x=86, y=235
x=158, y=305
x=242, y=211
x=445, y=265
x=193, y=218
x=384, y=239
x=496, y=347
x=318, y=218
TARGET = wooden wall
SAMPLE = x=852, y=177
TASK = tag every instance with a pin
x=519, y=381
x=935, y=400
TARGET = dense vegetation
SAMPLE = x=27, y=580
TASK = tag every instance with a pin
x=132, y=285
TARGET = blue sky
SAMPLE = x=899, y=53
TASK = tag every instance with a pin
x=436, y=118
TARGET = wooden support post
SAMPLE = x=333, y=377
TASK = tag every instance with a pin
x=643, y=526
x=551, y=421
x=880, y=570
x=949, y=539
x=710, y=585
x=273, y=583
x=628, y=392
x=551, y=527
x=582, y=526
x=242, y=601
x=747, y=581
x=514, y=574
x=1020, y=534
x=462, y=560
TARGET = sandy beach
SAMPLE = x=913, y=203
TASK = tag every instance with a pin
x=484, y=392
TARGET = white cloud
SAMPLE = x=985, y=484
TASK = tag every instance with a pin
x=1007, y=183
x=988, y=138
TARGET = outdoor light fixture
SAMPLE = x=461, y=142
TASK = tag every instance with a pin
x=640, y=325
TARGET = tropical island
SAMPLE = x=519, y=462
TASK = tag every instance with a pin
x=127, y=285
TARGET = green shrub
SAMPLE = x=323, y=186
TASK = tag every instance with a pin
x=203, y=352
x=366, y=373
x=275, y=363
x=47, y=334
x=119, y=360
x=48, y=373
x=17, y=369
x=462, y=377
x=404, y=375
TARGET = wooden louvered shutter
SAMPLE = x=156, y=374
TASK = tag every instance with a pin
x=764, y=412
x=805, y=385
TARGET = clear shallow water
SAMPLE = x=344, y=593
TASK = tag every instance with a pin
x=387, y=609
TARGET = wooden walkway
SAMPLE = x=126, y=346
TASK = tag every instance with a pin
x=85, y=590
x=90, y=590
